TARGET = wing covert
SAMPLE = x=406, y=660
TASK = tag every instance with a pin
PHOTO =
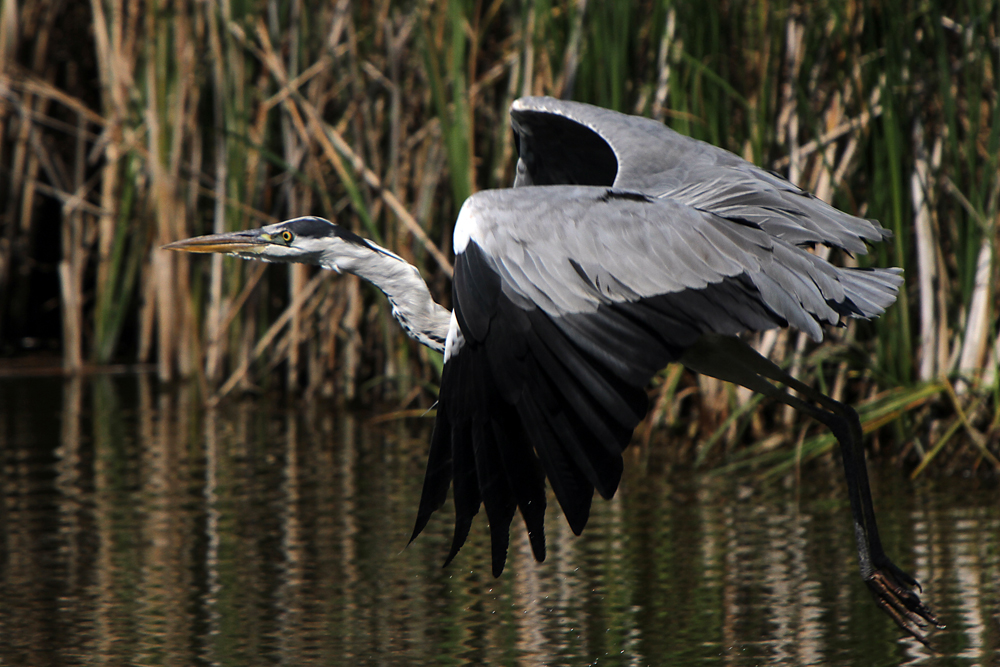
x=570, y=249
x=642, y=155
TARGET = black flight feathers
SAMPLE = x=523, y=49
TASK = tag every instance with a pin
x=479, y=443
x=530, y=397
x=556, y=150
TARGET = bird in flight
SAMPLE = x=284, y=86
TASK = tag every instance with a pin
x=623, y=246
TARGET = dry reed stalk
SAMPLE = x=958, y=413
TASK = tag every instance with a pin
x=331, y=317
x=334, y=145
x=788, y=117
x=352, y=348
x=295, y=154
x=183, y=121
x=920, y=187
x=265, y=340
x=213, y=316
x=71, y=268
x=116, y=78
x=571, y=57
x=162, y=265
x=714, y=399
x=9, y=29
x=977, y=323
x=26, y=163
x=863, y=119
x=505, y=153
x=307, y=312
x=990, y=373
x=664, y=61
x=975, y=436
x=113, y=101
x=394, y=46
x=528, y=53
x=233, y=307
x=72, y=306
x=9, y=33
x=968, y=350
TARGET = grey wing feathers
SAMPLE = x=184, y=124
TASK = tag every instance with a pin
x=747, y=193
x=569, y=250
x=642, y=155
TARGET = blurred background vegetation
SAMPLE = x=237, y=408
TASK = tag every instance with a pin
x=126, y=124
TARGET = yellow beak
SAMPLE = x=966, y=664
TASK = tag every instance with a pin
x=233, y=242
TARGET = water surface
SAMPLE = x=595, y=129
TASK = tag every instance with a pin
x=138, y=528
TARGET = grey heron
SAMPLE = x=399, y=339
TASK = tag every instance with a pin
x=634, y=246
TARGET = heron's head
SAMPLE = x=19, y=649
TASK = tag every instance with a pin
x=302, y=240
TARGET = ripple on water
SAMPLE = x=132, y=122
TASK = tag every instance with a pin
x=138, y=527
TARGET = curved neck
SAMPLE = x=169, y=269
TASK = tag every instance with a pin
x=421, y=317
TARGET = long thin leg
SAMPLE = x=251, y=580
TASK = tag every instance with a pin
x=729, y=358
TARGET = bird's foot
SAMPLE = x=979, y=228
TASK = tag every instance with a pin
x=891, y=588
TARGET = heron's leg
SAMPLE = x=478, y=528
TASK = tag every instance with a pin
x=729, y=358
x=845, y=424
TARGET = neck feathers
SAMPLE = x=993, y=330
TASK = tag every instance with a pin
x=421, y=317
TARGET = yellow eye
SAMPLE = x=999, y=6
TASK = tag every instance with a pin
x=287, y=236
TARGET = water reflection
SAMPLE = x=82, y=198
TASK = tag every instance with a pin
x=139, y=529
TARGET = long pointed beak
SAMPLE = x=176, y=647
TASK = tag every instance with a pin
x=250, y=241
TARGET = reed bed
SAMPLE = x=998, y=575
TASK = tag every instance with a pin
x=125, y=125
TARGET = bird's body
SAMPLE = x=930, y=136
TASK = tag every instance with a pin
x=623, y=246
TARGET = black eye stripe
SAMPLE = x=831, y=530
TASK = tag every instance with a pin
x=319, y=228
x=311, y=227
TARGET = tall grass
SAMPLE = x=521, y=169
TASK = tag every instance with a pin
x=129, y=124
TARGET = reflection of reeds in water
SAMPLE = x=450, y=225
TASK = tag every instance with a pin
x=146, y=529
x=215, y=116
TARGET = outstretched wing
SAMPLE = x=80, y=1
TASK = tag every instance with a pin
x=567, y=299
x=561, y=143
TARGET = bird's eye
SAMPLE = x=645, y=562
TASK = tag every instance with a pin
x=287, y=236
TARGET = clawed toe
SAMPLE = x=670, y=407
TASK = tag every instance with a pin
x=900, y=602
